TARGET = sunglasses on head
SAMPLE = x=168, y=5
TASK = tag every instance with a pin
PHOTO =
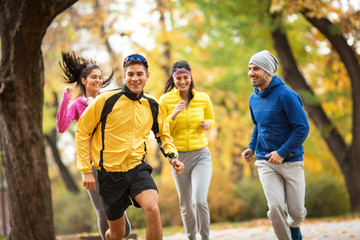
x=137, y=57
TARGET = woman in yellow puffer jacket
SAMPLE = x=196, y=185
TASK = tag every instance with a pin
x=190, y=114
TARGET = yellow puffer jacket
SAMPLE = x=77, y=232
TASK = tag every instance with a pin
x=186, y=130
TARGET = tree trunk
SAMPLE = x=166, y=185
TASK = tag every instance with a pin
x=163, y=7
x=117, y=68
x=347, y=157
x=23, y=24
x=65, y=174
x=51, y=139
x=350, y=165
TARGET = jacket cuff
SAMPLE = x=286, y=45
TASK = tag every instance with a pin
x=86, y=170
x=67, y=96
x=282, y=152
x=171, y=157
x=252, y=147
x=169, y=119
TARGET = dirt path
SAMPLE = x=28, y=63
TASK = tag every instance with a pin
x=339, y=229
x=325, y=229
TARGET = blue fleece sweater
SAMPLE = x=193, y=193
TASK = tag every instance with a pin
x=280, y=122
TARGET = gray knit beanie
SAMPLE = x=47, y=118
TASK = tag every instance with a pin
x=266, y=61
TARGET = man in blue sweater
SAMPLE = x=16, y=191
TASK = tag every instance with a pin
x=280, y=128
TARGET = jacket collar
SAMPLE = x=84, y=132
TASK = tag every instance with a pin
x=81, y=101
x=275, y=82
x=193, y=91
x=132, y=95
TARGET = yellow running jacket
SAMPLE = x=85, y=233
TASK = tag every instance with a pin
x=118, y=124
x=186, y=130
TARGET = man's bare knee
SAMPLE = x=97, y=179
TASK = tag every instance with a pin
x=152, y=211
x=151, y=207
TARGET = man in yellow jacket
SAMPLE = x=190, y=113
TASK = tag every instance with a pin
x=118, y=123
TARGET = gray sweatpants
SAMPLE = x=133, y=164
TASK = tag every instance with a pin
x=99, y=209
x=192, y=186
x=284, y=188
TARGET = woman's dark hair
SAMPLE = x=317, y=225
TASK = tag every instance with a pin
x=75, y=68
x=170, y=84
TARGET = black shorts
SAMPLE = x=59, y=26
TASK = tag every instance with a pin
x=118, y=189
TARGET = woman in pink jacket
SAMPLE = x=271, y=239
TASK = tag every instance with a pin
x=88, y=77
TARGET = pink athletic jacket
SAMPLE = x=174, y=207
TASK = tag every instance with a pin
x=68, y=113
